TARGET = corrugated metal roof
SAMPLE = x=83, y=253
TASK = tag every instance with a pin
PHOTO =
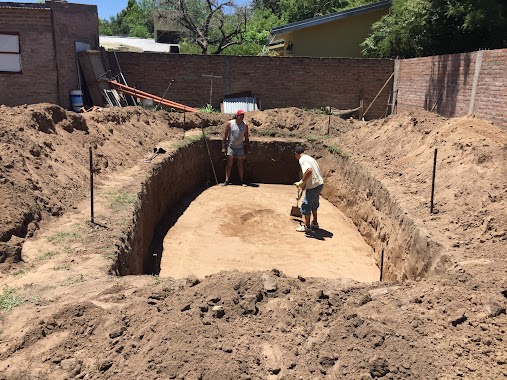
x=330, y=17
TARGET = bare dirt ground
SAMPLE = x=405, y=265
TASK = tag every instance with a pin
x=64, y=317
x=256, y=233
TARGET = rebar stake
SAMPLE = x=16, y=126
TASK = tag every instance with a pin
x=433, y=181
x=91, y=186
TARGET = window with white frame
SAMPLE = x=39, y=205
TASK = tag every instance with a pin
x=10, y=53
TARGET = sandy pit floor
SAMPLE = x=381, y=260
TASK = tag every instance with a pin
x=250, y=228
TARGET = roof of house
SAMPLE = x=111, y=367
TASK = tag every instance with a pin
x=330, y=17
x=133, y=44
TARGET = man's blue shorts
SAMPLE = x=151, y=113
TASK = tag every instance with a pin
x=311, y=201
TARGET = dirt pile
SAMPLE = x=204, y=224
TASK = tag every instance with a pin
x=471, y=178
x=75, y=321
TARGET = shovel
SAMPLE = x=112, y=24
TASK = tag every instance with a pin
x=294, y=211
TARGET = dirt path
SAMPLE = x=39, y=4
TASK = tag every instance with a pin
x=249, y=229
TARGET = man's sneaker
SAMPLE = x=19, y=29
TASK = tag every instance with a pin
x=315, y=225
x=303, y=229
x=244, y=184
x=225, y=183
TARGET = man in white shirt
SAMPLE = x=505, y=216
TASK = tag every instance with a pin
x=313, y=182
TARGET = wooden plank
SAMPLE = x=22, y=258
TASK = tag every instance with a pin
x=93, y=70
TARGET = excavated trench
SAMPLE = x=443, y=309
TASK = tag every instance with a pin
x=401, y=249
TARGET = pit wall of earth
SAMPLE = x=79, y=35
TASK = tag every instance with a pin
x=180, y=176
x=402, y=249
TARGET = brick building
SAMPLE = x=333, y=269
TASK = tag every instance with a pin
x=38, y=45
x=38, y=63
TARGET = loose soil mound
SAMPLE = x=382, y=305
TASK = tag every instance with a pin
x=75, y=321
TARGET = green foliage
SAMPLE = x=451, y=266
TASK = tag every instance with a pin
x=62, y=267
x=74, y=280
x=233, y=31
x=9, y=299
x=413, y=28
x=245, y=48
x=336, y=150
x=19, y=272
x=259, y=25
x=317, y=138
x=134, y=21
x=112, y=256
x=46, y=255
x=432, y=27
x=186, y=141
x=63, y=236
x=208, y=108
x=213, y=25
x=297, y=10
x=121, y=201
x=188, y=47
x=272, y=5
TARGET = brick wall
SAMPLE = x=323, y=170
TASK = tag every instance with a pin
x=275, y=81
x=38, y=81
x=72, y=22
x=491, y=99
x=444, y=84
x=48, y=33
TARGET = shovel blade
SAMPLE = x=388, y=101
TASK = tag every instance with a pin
x=294, y=211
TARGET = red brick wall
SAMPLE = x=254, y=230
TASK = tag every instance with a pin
x=37, y=83
x=444, y=84
x=47, y=36
x=275, y=81
x=72, y=22
x=491, y=98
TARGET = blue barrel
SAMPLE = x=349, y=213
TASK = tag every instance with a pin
x=76, y=100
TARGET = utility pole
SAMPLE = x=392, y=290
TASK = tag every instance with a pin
x=211, y=86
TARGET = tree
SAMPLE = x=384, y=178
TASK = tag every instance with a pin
x=259, y=25
x=298, y=10
x=417, y=28
x=134, y=21
x=211, y=24
x=272, y=5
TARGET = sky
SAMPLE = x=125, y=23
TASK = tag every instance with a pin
x=106, y=8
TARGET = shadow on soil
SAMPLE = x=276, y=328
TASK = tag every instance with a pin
x=319, y=234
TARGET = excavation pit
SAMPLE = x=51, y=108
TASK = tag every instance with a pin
x=187, y=225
